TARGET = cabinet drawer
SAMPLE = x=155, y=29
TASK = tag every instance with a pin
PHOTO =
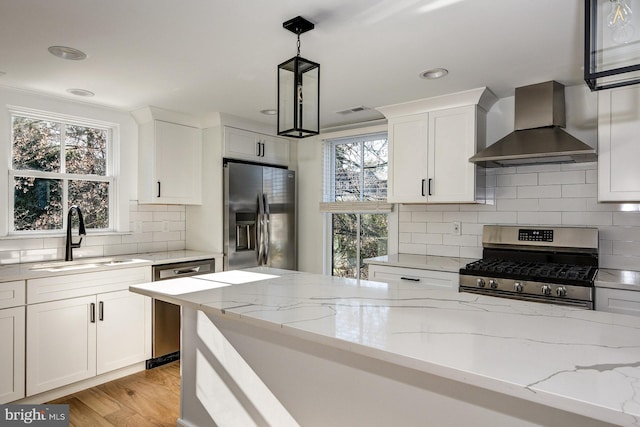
x=12, y=294
x=618, y=301
x=77, y=285
x=429, y=278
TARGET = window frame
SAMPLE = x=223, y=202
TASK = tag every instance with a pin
x=329, y=206
x=110, y=176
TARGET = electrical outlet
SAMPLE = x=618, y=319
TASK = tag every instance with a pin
x=457, y=228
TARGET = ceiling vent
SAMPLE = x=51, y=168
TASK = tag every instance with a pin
x=353, y=110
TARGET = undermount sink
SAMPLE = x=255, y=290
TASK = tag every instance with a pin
x=83, y=264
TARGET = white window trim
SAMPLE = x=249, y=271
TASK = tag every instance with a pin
x=111, y=176
x=328, y=207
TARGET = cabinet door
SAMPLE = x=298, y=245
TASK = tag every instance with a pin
x=241, y=144
x=178, y=162
x=12, y=336
x=408, y=159
x=275, y=151
x=61, y=343
x=452, y=140
x=124, y=330
x=618, y=301
x=618, y=148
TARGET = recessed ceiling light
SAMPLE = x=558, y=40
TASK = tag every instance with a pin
x=80, y=92
x=269, y=112
x=434, y=73
x=66, y=52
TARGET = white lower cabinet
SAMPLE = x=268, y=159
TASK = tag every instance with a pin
x=124, y=330
x=618, y=301
x=12, y=329
x=61, y=343
x=76, y=338
x=430, y=279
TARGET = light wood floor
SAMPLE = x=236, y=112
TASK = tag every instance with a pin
x=148, y=398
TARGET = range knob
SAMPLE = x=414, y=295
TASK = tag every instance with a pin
x=546, y=290
x=561, y=291
x=480, y=283
x=493, y=284
x=518, y=287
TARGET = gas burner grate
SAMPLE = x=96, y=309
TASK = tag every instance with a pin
x=534, y=270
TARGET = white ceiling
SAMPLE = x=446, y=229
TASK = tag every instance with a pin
x=202, y=56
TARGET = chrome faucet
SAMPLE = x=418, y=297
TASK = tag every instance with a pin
x=68, y=256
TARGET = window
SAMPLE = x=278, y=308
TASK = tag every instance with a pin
x=57, y=162
x=355, y=198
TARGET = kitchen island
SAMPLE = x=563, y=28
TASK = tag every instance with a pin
x=276, y=347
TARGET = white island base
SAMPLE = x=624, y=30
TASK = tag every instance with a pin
x=237, y=374
x=280, y=348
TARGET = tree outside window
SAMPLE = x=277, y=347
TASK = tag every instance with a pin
x=56, y=164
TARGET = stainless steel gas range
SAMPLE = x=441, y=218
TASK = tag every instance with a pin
x=545, y=264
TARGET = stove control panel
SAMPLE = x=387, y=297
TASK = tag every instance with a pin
x=528, y=235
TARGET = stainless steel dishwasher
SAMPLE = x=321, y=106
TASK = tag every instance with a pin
x=166, y=316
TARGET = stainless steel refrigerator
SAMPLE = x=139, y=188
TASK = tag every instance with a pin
x=260, y=216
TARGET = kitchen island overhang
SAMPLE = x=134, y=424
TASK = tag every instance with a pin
x=329, y=350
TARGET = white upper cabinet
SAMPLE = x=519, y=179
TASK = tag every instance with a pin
x=407, y=180
x=618, y=146
x=255, y=147
x=169, y=158
x=429, y=151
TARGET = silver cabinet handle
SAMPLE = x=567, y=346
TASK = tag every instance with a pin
x=267, y=227
x=260, y=229
x=179, y=271
x=258, y=149
x=92, y=312
x=101, y=311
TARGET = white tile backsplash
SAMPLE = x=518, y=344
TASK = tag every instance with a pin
x=156, y=228
x=529, y=195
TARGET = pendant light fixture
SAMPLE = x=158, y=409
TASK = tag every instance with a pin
x=612, y=44
x=298, y=89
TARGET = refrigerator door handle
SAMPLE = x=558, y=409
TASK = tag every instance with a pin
x=260, y=229
x=267, y=227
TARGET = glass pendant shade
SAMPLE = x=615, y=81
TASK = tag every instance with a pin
x=612, y=43
x=298, y=98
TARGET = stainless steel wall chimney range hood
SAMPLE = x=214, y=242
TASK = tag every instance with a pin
x=538, y=137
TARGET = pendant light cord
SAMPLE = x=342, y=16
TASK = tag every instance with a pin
x=298, y=32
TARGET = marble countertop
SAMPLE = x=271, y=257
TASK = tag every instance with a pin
x=9, y=272
x=423, y=262
x=618, y=279
x=581, y=361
